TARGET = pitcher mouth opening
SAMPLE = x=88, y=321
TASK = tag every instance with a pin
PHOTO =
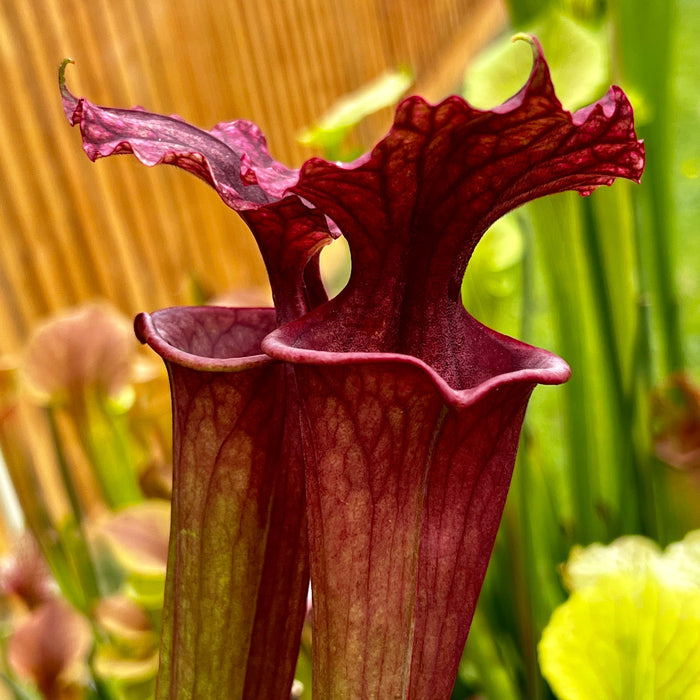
x=208, y=338
x=529, y=364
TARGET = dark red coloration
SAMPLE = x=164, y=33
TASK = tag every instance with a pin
x=238, y=517
x=414, y=210
x=410, y=409
x=232, y=158
x=422, y=489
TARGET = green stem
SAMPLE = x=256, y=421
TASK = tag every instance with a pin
x=645, y=66
x=554, y=221
x=523, y=559
x=657, y=504
x=78, y=544
x=496, y=682
x=626, y=456
x=530, y=537
x=64, y=469
x=106, y=443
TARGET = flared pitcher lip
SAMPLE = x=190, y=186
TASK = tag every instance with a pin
x=148, y=332
x=276, y=347
x=551, y=369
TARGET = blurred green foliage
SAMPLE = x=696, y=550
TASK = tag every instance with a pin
x=630, y=627
x=600, y=282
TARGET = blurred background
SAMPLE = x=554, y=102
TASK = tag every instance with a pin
x=609, y=282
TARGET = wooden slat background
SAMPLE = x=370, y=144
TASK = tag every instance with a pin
x=72, y=231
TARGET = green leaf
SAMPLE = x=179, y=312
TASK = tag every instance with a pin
x=20, y=692
x=630, y=630
x=333, y=126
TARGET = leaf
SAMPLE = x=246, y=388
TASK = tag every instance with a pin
x=406, y=410
x=631, y=628
x=411, y=409
x=237, y=577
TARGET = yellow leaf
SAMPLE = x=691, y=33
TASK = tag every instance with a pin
x=631, y=628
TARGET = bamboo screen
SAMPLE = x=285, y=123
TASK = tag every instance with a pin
x=72, y=231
